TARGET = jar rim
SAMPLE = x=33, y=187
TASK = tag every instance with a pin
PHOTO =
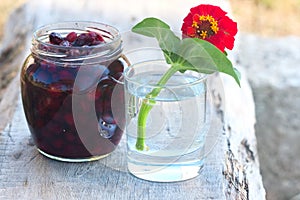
x=43, y=49
x=63, y=26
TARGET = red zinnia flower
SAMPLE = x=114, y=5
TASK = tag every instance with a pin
x=210, y=23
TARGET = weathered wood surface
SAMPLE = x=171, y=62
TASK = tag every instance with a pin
x=12, y=53
x=231, y=170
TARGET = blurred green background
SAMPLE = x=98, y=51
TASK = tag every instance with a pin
x=268, y=17
x=6, y=7
x=263, y=17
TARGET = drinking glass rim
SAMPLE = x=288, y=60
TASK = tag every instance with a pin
x=203, y=76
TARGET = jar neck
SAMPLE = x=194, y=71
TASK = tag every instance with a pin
x=109, y=50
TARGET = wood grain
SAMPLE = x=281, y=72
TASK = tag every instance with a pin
x=230, y=172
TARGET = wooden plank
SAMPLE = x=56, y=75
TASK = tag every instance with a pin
x=27, y=174
x=231, y=170
x=12, y=47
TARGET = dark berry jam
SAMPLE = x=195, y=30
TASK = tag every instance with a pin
x=68, y=105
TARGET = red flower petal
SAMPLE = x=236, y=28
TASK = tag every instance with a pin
x=217, y=41
x=196, y=17
x=190, y=31
x=226, y=28
x=228, y=25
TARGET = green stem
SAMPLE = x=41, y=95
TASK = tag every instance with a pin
x=147, y=105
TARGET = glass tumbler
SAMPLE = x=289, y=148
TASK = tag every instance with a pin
x=175, y=128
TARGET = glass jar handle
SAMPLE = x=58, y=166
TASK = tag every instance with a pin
x=120, y=80
x=125, y=59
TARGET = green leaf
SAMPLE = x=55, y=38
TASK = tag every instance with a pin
x=201, y=56
x=189, y=53
x=206, y=58
x=153, y=27
x=151, y=22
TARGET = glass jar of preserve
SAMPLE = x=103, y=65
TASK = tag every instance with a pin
x=71, y=93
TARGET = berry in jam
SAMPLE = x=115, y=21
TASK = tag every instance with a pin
x=55, y=38
x=73, y=39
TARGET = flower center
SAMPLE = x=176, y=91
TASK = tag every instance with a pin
x=205, y=26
